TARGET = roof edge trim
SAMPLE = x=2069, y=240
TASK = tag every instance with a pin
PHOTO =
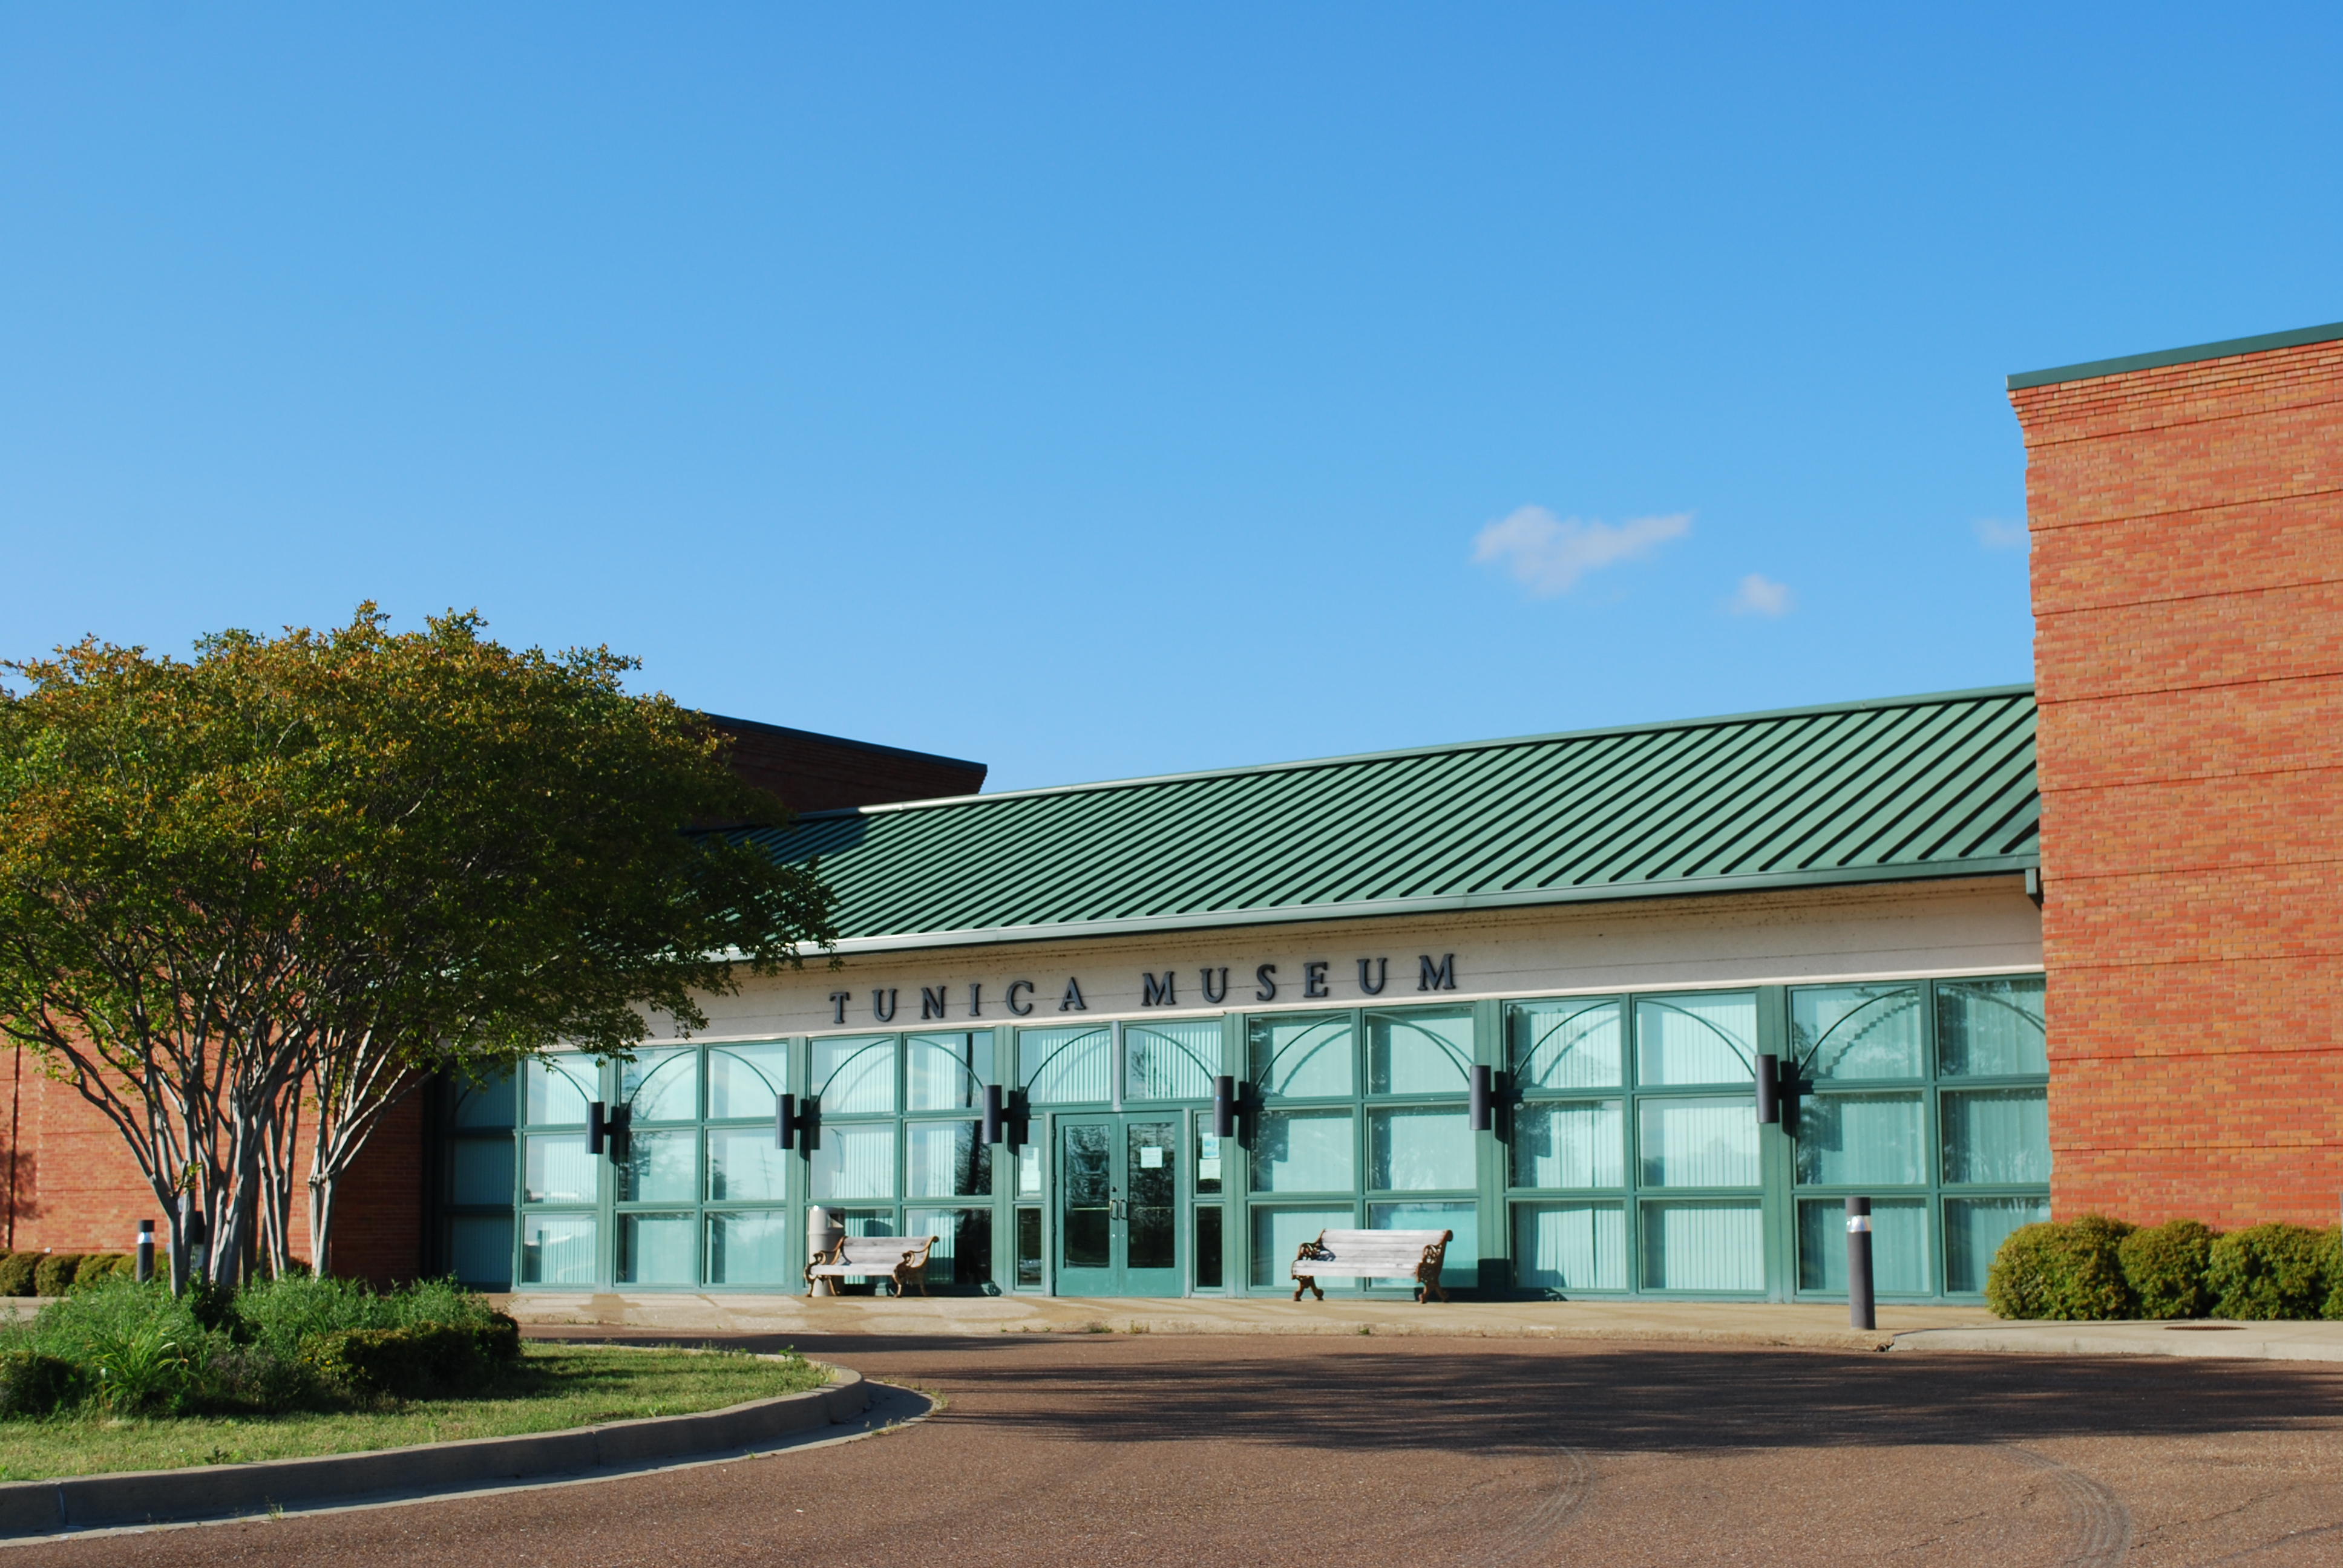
x=2223, y=349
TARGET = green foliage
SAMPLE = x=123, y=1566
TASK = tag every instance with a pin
x=56, y=1274
x=2269, y=1272
x=34, y=1384
x=413, y=1362
x=17, y=1274
x=2330, y=1266
x=2164, y=1265
x=2067, y=1270
x=101, y=1266
x=281, y=1314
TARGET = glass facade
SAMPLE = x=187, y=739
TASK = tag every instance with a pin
x=1625, y=1156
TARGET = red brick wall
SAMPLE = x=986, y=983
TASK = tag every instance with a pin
x=2187, y=576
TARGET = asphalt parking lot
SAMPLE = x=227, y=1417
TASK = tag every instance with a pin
x=1156, y=1450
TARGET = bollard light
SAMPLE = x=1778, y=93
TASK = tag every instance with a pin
x=146, y=1251
x=992, y=1113
x=1484, y=1098
x=1860, y=1310
x=1769, y=1088
x=1224, y=1106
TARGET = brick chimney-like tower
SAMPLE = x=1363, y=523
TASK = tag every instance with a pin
x=2187, y=513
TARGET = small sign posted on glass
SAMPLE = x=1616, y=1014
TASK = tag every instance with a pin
x=1151, y=1158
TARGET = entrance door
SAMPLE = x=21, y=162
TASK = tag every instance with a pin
x=1119, y=1206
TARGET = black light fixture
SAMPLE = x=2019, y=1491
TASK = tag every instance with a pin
x=1769, y=1088
x=785, y=1120
x=992, y=1113
x=615, y=1126
x=1484, y=1098
x=1224, y=1106
x=596, y=1127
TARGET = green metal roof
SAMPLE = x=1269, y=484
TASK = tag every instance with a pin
x=1850, y=792
x=2189, y=356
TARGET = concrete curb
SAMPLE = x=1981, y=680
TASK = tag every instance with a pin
x=213, y=1490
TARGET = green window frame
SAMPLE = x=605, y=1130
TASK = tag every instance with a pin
x=899, y=1148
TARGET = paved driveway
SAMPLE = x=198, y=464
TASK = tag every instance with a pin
x=1160, y=1450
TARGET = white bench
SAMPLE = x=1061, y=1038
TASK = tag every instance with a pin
x=1372, y=1255
x=901, y=1259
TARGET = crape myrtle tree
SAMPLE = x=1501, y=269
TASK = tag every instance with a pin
x=294, y=876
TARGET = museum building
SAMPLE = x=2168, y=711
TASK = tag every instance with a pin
x=2016, y=951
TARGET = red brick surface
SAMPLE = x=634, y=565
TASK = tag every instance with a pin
x=2187, y=576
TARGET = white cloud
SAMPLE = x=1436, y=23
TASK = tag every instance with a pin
x=1548, y=553
x=1995, y=535
x=1761, y=594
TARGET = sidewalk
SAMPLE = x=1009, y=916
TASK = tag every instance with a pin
x=1821, y=1326
x=2302, y=1342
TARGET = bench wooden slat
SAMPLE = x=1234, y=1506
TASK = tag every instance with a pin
x=1372, y=1254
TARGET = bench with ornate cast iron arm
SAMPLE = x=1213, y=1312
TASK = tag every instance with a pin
x=901, y=1259
x=1372, y=1255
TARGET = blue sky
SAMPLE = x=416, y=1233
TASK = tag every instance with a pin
x=1096, y=391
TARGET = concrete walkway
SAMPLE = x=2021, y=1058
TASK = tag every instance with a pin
x=1712, y=1323
x=2258, y=1342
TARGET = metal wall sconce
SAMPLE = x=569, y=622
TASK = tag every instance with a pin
x=608, y=1125
x=1484, y=1098
x=992, y=1113
x=1224, y=1106
x=785, y=1122
x=1769, y=1088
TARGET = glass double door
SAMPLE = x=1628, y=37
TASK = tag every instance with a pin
x=1119, y=1205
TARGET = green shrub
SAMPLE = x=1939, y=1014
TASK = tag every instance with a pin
x=32, y=1384
x=2330, y=1266
x=16, y=1271
x=2165, y=1266
x=55, y=1275
x=2069, y=1270
x=101, y=1266
x=286, y=1315
x=2267, y=1271
x=402, y=1363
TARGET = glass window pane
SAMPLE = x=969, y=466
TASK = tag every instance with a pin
x=660, y=1167
x=1208, y=1162
x=854, y=1160
x=962, y=1254
x=1873, y=1139
x=743, y=1166
x=1570, y=1246
x=485, y=1105
x=1029, y=1249
x=1570, y=1143
x=1066, y=1066
x=1278, y=1235
x=1029, y=1170
x=946, y=1160
x=1461, y=1264
x=1899, y=1247
x=1997, y=1135
x=658, y=1250
x=1570, y=1042
x=1991, y=1026
x=1844, y=1031
x=479, y=1249
x=1696, y=1039
x=1172, y=1060
x=557, y=1249
x=1210, y=1248
x=1704, y=1246
x=945, y=1071
x=1975, y=1229
x=561, y=1087
x=1702, y=1142
x=745, y=1081
x=751, y=1249
x=1418, y=1151
x=661, y=1085
x=854, y=1076
x=559, y=1171
x=483, y=1172
x=1300, y=1057
x=1303, y=1151
x=1420, y=1051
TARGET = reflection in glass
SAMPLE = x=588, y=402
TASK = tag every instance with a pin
x=1570, y=1246
x=945, y=1071
x=1171, y=1061
x=1991, y=1026
x=1303, y=1151
x=1696, y=1039
x=1418, y=1151
x=1154, y=1208
x=1209, y=1248
x=744, y=1080
x=1029, y=1249
x=750, y=1249
x=855, y=1077
x=660, y=1167
x=1997, y=1135
x=1899, y=1247
x=1704, y=1246
x=1569, y=1144
x=557, y=1170
x=661, y=1085
x=1300, y=1057
x=1086, y=1190
x=1421, y=1051
x=962, y=1254
x=1278, y=1235
x=743, y=1166
x=557, y=1249
x=1850, y=1032
x=945, y=1160
x=559, y=1086
x=483, y=1172
x=1702, y=1142
x=1873, y=1139
x=489, y=1104
x=1570, y=1042
x=854, y=1160
x=658, y=1249
x=1975, y=1229
x=1066, y=1066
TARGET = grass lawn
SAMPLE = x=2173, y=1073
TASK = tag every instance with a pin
x=554, y=1386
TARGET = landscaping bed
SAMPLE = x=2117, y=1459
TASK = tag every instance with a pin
x=120, y=1376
